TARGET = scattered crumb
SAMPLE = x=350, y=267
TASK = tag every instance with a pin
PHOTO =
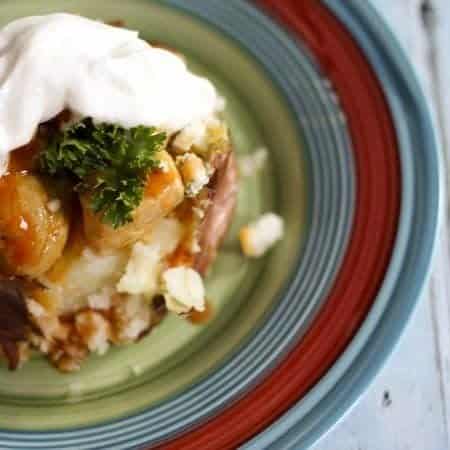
x=183, y=290
x=250, y=164
x=258, y=237
x=194, y=173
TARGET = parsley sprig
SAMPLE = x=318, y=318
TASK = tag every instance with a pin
x=106, y=161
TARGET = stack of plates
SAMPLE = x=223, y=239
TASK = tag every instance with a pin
x=296, y=338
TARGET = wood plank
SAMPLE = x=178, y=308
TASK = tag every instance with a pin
x=437, y=23
x=402, y=409
x=440, y=37
x=407, y=407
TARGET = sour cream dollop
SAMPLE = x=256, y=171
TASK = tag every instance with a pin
x=62, y=61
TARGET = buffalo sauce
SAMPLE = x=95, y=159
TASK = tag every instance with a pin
x=74, y=247
x=44, y=297
x=201, y=317
x=157, y=181
x=18, y=237
x=182, y=256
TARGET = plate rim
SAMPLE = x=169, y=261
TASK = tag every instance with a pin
x=284, y=431
x=276, y=433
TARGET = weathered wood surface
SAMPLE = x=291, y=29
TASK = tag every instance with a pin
x=408, y=405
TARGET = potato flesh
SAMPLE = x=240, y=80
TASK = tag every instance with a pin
x=163, y=192
x=32, y=236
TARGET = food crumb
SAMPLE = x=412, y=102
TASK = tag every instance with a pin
x=251, y=164
x=194, y=173
x=259, y=236
x=183, y=290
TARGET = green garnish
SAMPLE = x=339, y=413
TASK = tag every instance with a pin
x=109, y=162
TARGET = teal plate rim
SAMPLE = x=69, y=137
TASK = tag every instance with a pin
x=416, y=243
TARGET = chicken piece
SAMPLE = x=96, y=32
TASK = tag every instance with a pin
x=218, y=215
x=34, y=225
x=207, y=216
x=163, y=192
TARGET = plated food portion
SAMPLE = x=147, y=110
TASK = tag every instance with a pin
x=118, y=184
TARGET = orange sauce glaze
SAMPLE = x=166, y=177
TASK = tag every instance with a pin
x=19, y=245
x=44, y=297
x=201, y=317
x=157, y=181
x=18, y=241
x=75, y=245
x=181, y=257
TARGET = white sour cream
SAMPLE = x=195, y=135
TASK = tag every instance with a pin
x=58, y=61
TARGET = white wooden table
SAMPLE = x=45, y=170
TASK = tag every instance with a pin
x=408, y=405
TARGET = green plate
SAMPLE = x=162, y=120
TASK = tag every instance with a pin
x=177, y=354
